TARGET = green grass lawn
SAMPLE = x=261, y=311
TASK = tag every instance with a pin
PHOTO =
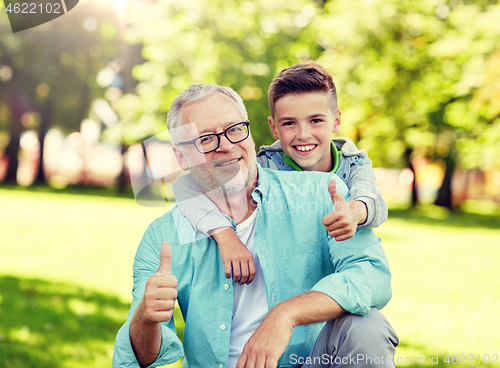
x=446, y=283
x=65, y=279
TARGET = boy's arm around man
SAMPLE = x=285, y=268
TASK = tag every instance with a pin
x=357, y=172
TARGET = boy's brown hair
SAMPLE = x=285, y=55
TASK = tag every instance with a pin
x=299, y=78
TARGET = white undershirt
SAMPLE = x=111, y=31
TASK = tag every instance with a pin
x=250, y=301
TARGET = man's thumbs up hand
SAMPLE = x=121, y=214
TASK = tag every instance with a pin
x=342, y=223
x=160, y=294
x=165, y=260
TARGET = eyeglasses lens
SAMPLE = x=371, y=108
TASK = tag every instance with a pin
x=234, y=134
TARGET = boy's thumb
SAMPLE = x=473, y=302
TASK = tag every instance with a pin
x=332, y=189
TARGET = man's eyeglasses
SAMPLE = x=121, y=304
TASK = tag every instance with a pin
x=210, y=142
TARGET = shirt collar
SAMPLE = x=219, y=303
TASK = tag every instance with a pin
x=262, y=184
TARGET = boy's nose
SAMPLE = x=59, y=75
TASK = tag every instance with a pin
x=304, y=133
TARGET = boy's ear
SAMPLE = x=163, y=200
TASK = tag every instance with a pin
x=336, y=121
x=273, y=127
x=180, y=158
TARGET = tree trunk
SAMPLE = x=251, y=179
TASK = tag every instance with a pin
x=123, y=178
x=18, y=105
x=12, y=151
x=414, y=189
x=444, y=196
x=42, y=132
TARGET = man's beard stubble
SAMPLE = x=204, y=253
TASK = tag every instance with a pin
x=231, y=183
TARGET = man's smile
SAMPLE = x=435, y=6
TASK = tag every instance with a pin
x=227, y=162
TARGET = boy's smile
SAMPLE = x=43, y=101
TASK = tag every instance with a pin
x=305, y=149
x=304, y=124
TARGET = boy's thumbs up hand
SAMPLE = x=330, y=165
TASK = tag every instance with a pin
x=337, y=199
x=343, y=222
x=160, y=294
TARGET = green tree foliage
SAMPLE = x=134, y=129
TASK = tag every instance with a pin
x=412, y=76
x=53, y=70
x=481, y=149
x=241, y=44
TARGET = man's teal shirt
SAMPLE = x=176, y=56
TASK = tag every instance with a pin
x=296, y=254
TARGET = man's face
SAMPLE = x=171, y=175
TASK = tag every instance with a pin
x=304, y=124
x=232, y=165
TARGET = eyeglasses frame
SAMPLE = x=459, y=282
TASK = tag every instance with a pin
x=218, y=135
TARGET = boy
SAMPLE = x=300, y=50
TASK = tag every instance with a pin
x=303, y=103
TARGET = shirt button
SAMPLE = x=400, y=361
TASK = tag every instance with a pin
x=226, y=286
x=222, y=327
x=221, y=366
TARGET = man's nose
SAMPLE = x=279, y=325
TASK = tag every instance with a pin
x=224, y=144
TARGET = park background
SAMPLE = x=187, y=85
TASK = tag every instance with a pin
x=82, y=106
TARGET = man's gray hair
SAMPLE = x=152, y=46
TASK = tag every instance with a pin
x=196, y=92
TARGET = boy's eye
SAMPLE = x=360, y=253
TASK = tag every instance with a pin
x=288, y=123
x=316, y=120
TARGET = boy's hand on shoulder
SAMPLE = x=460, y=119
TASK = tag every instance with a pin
x=343, y=222
x=235, y=255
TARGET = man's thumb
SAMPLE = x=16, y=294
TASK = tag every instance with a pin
x=332, y=189
x=165, y=259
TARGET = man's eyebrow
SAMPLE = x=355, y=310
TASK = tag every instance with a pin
x=204, y=131
x=211, y=131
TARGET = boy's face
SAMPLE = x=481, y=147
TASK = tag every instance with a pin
x=304, y=124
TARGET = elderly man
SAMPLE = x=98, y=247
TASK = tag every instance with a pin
x=304, y=277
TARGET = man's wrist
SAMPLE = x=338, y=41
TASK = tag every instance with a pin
x=145, y=338
x=287, y=312
x=308, y=308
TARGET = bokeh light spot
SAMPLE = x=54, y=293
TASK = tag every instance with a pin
x=66, y=58
x=6, y=73
x=43, y=90
x=90, y=24
x=30, y=119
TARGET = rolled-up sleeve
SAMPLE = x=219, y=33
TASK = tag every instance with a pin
x=363, y=187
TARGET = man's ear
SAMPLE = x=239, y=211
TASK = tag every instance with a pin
x=273, y=127
x=180, y=158
x=336, y=121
